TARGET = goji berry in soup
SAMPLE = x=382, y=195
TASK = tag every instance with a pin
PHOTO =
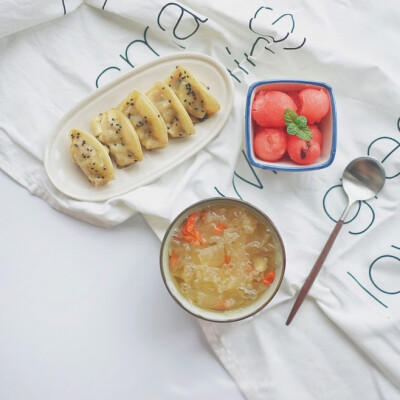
x=223, y=258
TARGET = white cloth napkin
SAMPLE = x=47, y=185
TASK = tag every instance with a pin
x=343, y=344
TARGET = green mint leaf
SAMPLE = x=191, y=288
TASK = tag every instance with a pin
x=297, y=125
x=292, y=129
x=304, y=133
x=301, y=121
x=289, y=116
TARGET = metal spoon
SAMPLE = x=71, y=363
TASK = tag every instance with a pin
x=362, y=179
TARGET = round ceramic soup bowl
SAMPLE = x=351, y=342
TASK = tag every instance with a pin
x=242, y=247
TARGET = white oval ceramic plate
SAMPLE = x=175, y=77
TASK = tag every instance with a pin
x=67, y=176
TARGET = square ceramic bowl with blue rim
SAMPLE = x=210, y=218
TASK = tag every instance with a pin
x=327, y=126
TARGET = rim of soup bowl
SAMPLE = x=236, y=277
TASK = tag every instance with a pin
x=228, y=315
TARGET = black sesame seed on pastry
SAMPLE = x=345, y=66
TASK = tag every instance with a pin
x=146, y=120
x=194, y=96
x=114, y=130
x=176, y=118
x=91, y=156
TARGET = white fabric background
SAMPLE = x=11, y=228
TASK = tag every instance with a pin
x=343, y=344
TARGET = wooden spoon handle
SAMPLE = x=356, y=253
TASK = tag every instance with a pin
x=314, y=272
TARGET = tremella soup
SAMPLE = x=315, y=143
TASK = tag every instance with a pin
x=222, y=257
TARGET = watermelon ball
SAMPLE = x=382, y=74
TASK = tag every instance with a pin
x=303, y=152
x=268, y=108
x=316, y=134
x=294, y=95
x=270, y=144
x=314, y=104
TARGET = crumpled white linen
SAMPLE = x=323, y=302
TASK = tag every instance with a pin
x=343, y=344
x=48, y=68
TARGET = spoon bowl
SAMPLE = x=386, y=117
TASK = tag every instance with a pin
x=362, y=179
